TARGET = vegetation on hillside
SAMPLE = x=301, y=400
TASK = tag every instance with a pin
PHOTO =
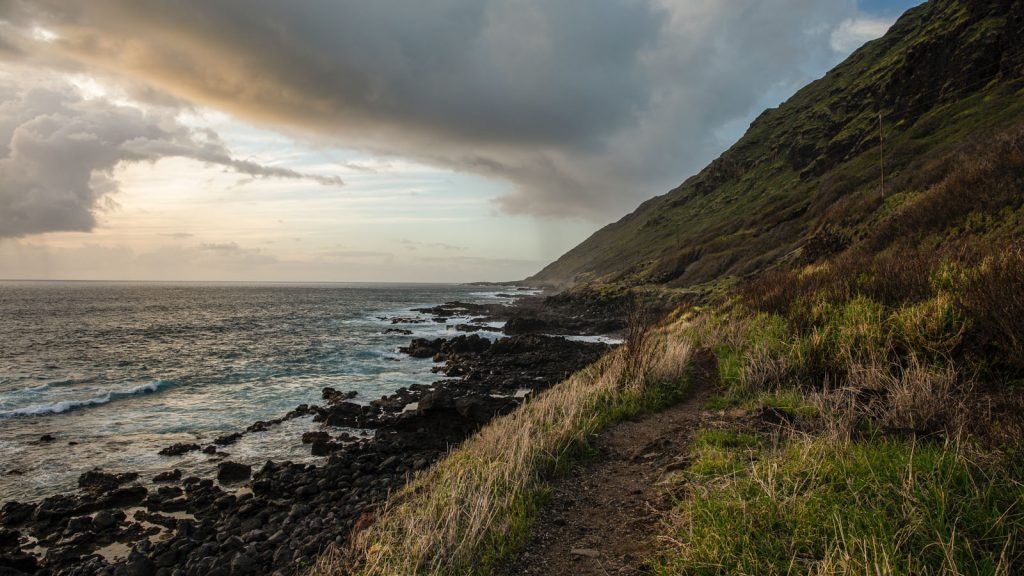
x=860, y=435
x=949, y=71
x=871, y=409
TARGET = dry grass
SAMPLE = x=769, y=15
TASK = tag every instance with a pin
x=913, y=398
x=474, y=507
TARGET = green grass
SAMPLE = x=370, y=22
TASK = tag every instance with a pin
x=788, y=401
x=815, y=506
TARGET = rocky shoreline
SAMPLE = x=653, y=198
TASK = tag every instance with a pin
x=276, y=519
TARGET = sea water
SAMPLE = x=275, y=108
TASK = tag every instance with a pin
x=117, y=371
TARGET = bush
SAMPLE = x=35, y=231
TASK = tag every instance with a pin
x=934, y=328
x=992, y=299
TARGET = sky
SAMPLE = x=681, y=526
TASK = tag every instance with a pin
x=393, y=140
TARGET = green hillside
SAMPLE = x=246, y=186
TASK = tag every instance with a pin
x=804, y=181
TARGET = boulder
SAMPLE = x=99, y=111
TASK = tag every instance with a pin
x=167, y=477
x=99, y=482
x=18, y=563
x=423, y=348
x=9, y=539
x=179, y=449
x=233, y=472
x=227, y=439
x=315, y=436
x=525, y=325
x=345, y=414
x=481, y=409
x=14, y=513
x=333, y=396
x=128, y=496
x=472, y=344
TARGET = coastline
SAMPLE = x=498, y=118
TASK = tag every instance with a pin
x=278, y=517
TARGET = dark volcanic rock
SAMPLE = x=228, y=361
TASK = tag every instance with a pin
x=481, y=409
x=17, y=564
x=316, y=436
x=179, y=449
x=333, y=396
x=14, y=513
x=525, y=325
x=346, y=414
x=325, y=447
x=233, y=472
x=442, y=348
x=100, y=482
x=128, y=496
x=8, y=539
x=472, y=344
x=475, y=328
x=165, y=477
x=450, y=309
x=106, y=519
x=422, y=348
x=227, y=439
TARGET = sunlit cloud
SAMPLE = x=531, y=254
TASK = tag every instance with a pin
x=150, y=129
x=585, y=110
x=60, y=150
x=854, y=32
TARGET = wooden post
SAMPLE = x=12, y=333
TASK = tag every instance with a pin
x=881, y=153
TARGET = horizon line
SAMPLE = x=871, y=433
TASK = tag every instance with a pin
x=136, y=281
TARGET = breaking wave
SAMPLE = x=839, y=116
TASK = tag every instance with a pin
x=69, y=405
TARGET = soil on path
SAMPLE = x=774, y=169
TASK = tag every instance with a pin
x=602, y=517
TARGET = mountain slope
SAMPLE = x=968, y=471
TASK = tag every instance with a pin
x=948, y=72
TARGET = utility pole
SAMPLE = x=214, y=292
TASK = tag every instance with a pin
x=881, y=153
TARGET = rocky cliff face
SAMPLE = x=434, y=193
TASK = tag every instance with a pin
x=948, y=71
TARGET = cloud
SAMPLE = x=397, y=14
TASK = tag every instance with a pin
x=585, y=107
x=234, y=262
x=854, y=32
x=414, y=245
x=58, y=151
x=224, y=247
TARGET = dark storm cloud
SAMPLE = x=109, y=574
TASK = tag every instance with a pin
x=586, y=107
x=58, y=150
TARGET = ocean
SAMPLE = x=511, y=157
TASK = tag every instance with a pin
x=116, y=371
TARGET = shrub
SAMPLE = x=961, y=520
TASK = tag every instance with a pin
x=980, y=179
x=992, y=299
x=934, y=327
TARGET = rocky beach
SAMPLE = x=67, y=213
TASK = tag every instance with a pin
x=276, y=518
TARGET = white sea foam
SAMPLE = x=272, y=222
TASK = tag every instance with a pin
x=69, y=405
x=596, y=339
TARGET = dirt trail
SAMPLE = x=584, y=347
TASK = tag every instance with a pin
x=602, y=516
